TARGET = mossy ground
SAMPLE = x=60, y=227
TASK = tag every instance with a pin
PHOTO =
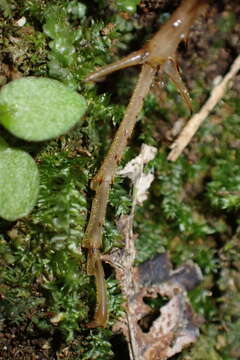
x=193, y=206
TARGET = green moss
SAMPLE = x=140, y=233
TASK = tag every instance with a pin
x=127, y=5
x=224, y=189
x=205, y=348
x=227, y=22
x=5, y=6
x=193, y=204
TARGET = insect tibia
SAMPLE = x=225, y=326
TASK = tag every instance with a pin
x=95, y=268
x=135, y=58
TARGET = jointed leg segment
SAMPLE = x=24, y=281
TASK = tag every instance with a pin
x=101, y=185
x=158, y=52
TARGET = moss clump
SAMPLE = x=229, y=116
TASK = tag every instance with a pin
x=193, y=205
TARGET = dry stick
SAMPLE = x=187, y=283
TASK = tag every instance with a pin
x=101, y=185
x=194, y=123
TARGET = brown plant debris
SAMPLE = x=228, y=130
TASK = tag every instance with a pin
x=176, y=327
x=165, y=331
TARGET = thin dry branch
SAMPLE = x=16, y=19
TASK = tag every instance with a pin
x=195, y=122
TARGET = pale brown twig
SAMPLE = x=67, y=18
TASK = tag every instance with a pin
x=195, y=122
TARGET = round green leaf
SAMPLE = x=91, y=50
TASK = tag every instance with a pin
x=37, y=109
x=19, y=183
